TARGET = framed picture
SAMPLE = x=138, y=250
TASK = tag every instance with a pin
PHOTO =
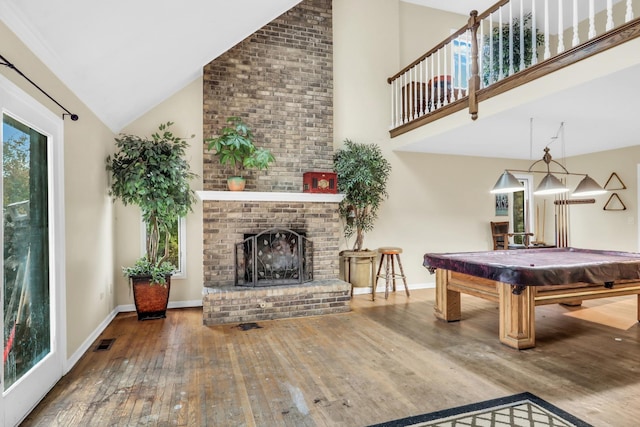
x=502, y=204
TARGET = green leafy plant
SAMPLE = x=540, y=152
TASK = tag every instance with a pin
x=235, y=147
x=362, y=173
x=143, y=267
x=153, y=175
x=492, y=56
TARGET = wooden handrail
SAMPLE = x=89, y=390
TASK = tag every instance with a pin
x=420, y=84
x=429, y=53
x=492, y=9
x=449, y=39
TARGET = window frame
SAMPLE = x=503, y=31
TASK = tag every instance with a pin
x=181, y=272
x=529, y=220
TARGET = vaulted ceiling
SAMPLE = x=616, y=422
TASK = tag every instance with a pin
x=122, y=58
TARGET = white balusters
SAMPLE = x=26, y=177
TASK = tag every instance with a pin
x=500, y=47
x=560, y=27
x=422, y=82
x=534, y=34
x=547, y=50
x=468, y=62
x=458, y=71
x=592, y=20
x=436, y=104
x=521, y=66
x=412, y=94
x=393, y=105
x=438, y=79
x=491, y=77
x=431, y=85
x=575, y=41
x=609, y=25
x=405, y=104
x=511, y=71
x=416, y=87
x=445, y=62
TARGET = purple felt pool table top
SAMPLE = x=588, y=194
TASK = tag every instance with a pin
x=537, y=267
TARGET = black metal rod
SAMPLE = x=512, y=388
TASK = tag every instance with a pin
x=8, y=64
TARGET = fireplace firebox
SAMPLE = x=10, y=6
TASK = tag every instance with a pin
x=276, y=256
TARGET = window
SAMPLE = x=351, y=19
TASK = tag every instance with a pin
x=521, y=212
x=33, y=265
x=177, y=246
x=461, y=53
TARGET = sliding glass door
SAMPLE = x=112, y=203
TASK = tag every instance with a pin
x=32, y=362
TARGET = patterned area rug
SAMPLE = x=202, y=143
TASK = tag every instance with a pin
x=522, y=410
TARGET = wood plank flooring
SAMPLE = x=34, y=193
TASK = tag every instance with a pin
x=384, y=360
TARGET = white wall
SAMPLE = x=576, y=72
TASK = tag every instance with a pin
x=442, y=203
x=88, y=226
x=185, y=110
x=591, y=225
x=437, y=203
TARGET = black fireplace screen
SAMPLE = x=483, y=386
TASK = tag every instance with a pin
x=274, y=257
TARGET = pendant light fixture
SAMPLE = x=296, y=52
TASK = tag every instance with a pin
x=507, y=183
x=550, y=184
x=588, y=187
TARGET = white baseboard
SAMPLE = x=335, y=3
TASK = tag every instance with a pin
x=380, y=288
x=86, y=345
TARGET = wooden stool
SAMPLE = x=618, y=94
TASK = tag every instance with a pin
x=389, y=270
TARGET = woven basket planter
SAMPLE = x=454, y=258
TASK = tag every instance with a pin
x=151, y=300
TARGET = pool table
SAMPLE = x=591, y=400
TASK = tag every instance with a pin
x=521, y=280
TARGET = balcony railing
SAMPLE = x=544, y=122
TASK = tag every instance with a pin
x=513, y=42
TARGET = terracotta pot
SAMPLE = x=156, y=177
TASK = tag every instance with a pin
x=151, y=300
x=236, y=183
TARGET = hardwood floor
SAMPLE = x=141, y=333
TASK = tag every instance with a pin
x=384, y=360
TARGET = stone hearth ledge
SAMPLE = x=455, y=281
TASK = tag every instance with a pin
x=236, y=304
x=266, y=196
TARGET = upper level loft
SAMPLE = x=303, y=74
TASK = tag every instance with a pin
x=509, y=45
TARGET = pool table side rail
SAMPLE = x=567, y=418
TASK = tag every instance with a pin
x=558, y=266
x=570, y=293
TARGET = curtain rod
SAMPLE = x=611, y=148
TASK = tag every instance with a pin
x=8, y=64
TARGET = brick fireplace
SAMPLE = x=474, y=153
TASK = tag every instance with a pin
x=280, y=81
x=229, y=216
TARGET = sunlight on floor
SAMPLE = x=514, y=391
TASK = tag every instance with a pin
x=620, y=314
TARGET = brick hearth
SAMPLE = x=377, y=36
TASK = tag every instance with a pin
x=228, y=216
x=234, y=304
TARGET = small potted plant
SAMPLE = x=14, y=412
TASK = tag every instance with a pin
x=153, y=175
x=235, y=147
x=362, y=173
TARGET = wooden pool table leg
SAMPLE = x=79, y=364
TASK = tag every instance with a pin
x=447, y=306
x=517, y=317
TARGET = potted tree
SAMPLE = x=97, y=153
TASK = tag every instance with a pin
x=362, y=173
x=495, y=54
x=153, y=175
x=235, y=147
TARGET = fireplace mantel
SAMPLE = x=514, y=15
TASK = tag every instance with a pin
x=261, y=196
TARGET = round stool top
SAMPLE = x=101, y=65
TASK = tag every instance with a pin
x=390, y=250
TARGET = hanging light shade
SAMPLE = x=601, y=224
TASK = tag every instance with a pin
x=550, y=185
x=588, y=187
x=507, y=183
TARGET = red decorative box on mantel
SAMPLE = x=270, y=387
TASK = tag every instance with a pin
x=319, y=182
